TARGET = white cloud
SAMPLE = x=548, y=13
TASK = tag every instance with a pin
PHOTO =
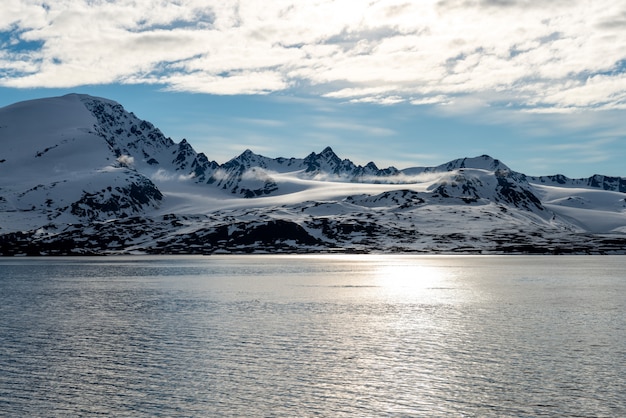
x=126, y=160
x=353, y=126
x=257, y=174
x=549, y=56
x=570, y=152
x=261, y=122
x=164, y=175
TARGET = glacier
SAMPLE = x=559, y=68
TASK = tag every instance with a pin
x=80, y=175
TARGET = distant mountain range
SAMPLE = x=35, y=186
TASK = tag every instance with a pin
x=81, y=175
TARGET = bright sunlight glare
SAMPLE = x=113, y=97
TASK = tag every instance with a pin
x=408, y=277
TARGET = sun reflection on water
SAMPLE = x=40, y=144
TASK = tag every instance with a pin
x=409, y=278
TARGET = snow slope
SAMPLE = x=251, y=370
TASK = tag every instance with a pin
x=81, y=175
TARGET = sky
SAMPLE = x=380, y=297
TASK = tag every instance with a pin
x=540, y=85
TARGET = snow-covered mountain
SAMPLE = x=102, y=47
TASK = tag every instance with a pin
x=81, y=175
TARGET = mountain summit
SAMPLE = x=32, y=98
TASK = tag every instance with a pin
x=81, y=175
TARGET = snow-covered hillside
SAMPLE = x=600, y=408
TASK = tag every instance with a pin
x=81, y=175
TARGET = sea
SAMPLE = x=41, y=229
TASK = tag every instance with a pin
x=313, y=336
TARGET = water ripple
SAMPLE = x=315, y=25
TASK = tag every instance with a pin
x=220, y=341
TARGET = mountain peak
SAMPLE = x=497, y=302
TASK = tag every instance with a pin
x=85, y=98
x=483, y=162
x=245, y=156
x=326, y=161
x=327, y=151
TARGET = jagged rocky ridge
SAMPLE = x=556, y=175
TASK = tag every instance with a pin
x=92, y=178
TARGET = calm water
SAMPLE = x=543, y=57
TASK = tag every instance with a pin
x=313, y=336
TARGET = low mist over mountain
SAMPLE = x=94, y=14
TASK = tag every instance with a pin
x=81, y=175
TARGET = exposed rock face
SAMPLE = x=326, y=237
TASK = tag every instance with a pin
x=116, y=202
x=617, y=184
